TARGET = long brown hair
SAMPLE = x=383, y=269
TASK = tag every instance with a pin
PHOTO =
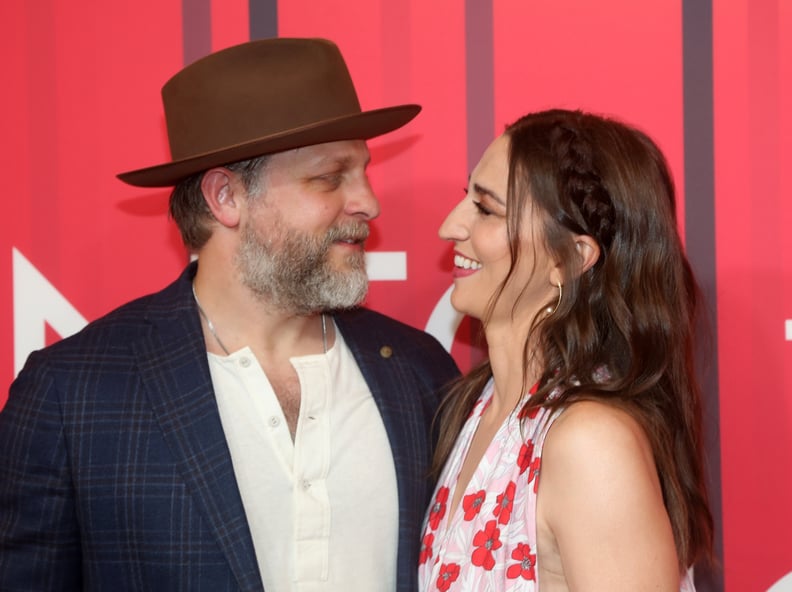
x=633, y=313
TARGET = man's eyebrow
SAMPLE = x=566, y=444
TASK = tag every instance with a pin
x=343, y=162
x=488, y=192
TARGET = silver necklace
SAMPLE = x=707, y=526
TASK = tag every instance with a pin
x=209, y=323
x=220, y=343
x=324, y=334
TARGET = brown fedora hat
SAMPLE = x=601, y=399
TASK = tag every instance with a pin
x=258, y=98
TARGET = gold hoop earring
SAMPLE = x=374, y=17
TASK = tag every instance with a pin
x=550, y=310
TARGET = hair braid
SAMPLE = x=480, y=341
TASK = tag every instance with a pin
x=580, y=183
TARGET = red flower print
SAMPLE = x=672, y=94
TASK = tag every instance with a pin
x=448, y=575
x=486, y=541
x=533, y=411
x=526, y=563
x=426, y=549
x=530, y=413
x=472, y=504
x=438, y=508
x=533, y=474
x=504, y=504
x=525, y=456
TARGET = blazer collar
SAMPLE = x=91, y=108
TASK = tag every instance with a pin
x=175, y=372
x=387, y=368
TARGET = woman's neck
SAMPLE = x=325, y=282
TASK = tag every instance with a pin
x=512, y=374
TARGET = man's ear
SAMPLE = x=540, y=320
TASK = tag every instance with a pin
x=588, y=251
x=222, y=196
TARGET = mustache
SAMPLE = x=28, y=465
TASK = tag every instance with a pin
x=351, y=231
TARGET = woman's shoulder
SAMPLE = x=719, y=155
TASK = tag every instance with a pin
x=599, y=488
x=590, y=422
x=599, y=447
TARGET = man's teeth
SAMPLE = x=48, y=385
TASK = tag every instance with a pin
x=466, y=263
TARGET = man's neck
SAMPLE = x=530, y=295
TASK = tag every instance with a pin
x=236, y=317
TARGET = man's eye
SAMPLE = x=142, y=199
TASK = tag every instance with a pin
x=332, y=180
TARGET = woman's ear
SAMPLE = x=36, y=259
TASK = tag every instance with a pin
x=588, y=251
x=219, y=191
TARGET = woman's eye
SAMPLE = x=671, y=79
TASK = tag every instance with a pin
x=482, y=210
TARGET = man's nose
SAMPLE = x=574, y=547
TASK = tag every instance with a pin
x=363, y=203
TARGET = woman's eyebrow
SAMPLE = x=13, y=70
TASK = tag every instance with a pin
x=488, y=192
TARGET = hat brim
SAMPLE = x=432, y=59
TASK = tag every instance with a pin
x=360, y=126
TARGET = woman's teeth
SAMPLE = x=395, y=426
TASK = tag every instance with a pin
x=465, y=263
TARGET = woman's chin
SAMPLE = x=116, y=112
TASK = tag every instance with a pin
x=463, y=307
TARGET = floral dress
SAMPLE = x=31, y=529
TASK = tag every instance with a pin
x=490, y=541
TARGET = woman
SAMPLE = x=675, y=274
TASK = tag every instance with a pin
x=571, y=458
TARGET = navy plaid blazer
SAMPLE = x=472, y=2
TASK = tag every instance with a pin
x=114, y=469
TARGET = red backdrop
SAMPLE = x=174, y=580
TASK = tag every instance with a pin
x=81, y=103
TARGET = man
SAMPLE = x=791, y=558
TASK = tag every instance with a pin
x=247, y=427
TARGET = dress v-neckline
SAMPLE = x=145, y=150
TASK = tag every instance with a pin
x=471, y=428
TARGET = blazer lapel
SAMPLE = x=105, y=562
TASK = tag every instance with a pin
x=392, y=382
x=175, y=373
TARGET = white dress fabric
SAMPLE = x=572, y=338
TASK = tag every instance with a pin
x=490, y=541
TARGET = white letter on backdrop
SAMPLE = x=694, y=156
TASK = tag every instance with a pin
x=444, y=321
x=386, y=266
x=36, y=302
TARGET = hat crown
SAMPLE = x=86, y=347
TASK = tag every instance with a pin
x=259, y=98
x=253, y=90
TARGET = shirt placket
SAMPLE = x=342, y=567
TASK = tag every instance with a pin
x=311, y=467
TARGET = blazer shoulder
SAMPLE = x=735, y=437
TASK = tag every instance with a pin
x=365, y=326
x=117, y=329
x=379, y=326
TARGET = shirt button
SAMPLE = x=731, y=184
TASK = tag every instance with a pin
x=244, y=362
x=274, y=421
x=306, y=484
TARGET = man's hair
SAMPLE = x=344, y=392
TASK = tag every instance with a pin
x=189, y=209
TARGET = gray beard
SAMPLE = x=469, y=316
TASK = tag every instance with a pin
x=292, y=272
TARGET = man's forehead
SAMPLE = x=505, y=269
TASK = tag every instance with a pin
x=348, y=152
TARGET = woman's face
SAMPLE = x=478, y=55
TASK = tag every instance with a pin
x=477, y=225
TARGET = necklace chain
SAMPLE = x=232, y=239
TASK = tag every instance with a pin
x=209, y=323
x=220, y=343
x=324, y=334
